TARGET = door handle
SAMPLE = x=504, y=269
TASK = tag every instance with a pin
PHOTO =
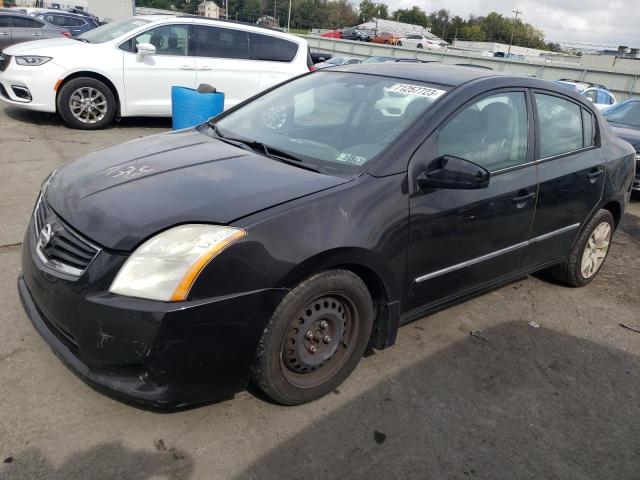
x=4, y=34
x=524, y=198
x=186, y=67
x=36, y=34
x=206, y=68
x=593, y=175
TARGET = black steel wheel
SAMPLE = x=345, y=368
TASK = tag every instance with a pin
x=314, y=339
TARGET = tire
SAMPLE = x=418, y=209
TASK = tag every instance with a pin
x=102, y=112
x=336, y=304
x=386, y=42
x=399, y=44
x=571, y=271
x=420, y=46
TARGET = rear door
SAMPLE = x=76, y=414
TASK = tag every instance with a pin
x=148, y=80
x=26, y=29
x=5, y=31
x=571, y=169
x=222, y=60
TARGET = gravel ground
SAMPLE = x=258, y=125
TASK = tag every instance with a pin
x=558, y=401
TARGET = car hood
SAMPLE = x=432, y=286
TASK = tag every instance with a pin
x=628, y=133
x=45, y=47
x=120, y=196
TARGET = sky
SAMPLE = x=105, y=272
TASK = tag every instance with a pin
x=598, y=22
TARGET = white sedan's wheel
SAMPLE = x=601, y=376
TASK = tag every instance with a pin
x=596, y=250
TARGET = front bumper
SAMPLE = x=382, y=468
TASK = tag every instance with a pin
x=636, y=179
x=158, y=354
x=39, y=82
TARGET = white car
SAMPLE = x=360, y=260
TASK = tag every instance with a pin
x=599, y=95
x=420, y=41
x=128, y=67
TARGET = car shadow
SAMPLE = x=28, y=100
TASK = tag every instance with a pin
x=101, y=462
x=52, y=119
x=526, y=403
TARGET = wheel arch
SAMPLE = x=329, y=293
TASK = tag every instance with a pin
x=95, y=75
x=379, y=281
x=615, y=208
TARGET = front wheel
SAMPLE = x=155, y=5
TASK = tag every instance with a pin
x=420, y=46
x=588, y=253
x=399, y=44
x=314, y=339
x=86, y=103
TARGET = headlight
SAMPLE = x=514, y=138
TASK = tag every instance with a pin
x=166, y=266
x=32, y=60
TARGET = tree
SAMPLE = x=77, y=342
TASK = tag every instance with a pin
x=369, y=9
x=415, y=16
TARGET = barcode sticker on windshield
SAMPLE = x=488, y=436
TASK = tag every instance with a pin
x=418, y=90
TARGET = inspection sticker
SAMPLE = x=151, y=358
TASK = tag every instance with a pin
x=418, y=90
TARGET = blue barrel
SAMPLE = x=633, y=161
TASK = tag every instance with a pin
x=190, y=107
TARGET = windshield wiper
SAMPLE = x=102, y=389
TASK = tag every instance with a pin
x=266, y=150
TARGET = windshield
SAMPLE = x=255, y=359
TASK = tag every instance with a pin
x=112, y=30
x=336, y=122
x=627, y=113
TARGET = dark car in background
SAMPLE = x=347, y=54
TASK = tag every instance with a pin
x=277, y=242
x=624, y=119
x=355, y=34
x=75, y=23
x=335, y=61
x=17, y=27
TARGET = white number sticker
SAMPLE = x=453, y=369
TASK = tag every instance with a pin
x=128, y=171
x=416, y=90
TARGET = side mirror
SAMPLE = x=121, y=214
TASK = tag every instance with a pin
x=146, y=49
x=454, y=173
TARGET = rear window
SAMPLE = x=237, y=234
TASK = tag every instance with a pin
x=273, y=49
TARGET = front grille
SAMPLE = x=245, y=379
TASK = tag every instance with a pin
x=58, y=246
x=5, y=60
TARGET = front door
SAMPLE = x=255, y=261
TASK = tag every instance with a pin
x=463, y=239
x=26, y=29
x=148, y=79
x=571, y=168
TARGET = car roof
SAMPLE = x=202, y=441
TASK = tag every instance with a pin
x=451, y=75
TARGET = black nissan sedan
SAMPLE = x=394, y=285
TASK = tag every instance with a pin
x=277, y=242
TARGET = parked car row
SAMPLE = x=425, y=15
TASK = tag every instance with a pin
x=418, y=41
x=140, y=59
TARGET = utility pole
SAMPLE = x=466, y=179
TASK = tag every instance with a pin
x=513, y=30
x=289, y=18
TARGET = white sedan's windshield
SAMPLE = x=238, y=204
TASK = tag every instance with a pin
x=336, y=121
x=112, y=30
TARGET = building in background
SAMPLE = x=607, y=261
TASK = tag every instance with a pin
x=105, y=10
x=267, y=21
x=210, y=9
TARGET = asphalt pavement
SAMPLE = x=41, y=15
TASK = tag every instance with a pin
x=549, y=390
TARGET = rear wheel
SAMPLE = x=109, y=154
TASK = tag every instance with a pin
x=420, y=46
x=399, y=44
x=386, y=42
x=314, y=339
x=588, y=253
x=86, y=103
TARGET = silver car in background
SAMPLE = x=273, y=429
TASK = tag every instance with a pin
x=17, y=27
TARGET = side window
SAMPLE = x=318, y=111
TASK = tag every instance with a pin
x=5, y=22
x=168, y=40
x=559, y=126
x=74, y=22
x=19, y=22
x=220, y=42
x=588, y=129
x=268, y=48
x=492, y=132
